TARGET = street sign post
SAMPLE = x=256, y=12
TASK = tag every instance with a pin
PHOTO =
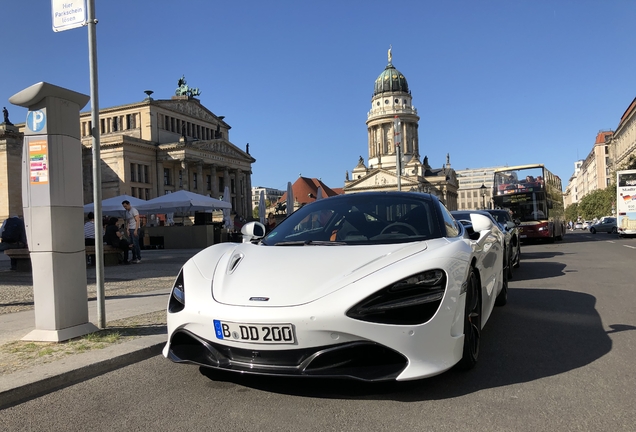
x=68, y=14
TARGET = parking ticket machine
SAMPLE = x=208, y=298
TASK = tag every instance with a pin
x=53, y=203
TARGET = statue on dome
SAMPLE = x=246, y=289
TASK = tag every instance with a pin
x=390, y=55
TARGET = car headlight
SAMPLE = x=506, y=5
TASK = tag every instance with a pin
x=412, y=300
x=177, y=297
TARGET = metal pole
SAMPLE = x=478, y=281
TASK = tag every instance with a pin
x=97, y=168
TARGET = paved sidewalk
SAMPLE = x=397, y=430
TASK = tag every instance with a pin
x=135, y=290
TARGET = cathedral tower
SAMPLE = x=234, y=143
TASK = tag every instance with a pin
x=391, y=98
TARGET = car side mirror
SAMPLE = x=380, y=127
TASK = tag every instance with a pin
x=480, y=222
x=252, y=231
x=510, y=225
x=517, y=221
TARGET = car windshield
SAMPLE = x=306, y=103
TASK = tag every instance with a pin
x=500, y=216
x=359, y=219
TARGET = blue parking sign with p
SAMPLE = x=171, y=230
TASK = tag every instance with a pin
x=36, y=120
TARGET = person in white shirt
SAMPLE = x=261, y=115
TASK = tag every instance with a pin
x=89, y=230
x=133, y=225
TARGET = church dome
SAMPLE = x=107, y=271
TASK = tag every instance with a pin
x=390, y=80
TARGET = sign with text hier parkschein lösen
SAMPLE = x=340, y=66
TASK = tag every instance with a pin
x=68, y=14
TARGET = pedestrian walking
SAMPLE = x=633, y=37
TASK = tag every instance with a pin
x=132, y=222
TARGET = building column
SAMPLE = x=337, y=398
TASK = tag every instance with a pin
x=226, y=182
x=214, y=191
x=200, y=179
x=161, y=190
x=239, y=199
x=185, y=176
x=248, y=187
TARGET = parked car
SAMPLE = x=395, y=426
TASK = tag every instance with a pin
x=587, y=225
x=370, y=286
x=607, y=224
x=578, y=225
x=464, y=215
x=512, y=226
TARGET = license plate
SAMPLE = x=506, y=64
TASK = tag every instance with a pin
x=523, y=236
x=255, y=333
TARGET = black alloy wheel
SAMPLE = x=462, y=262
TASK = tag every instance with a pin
x=614, y=230
x=508, y=268
x=593, y=230
x=472, y=322
x=502, y=298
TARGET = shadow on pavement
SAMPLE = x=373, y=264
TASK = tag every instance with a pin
x=540, y=333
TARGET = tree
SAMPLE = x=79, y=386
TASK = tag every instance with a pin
x=572, y=212
x=598, y=203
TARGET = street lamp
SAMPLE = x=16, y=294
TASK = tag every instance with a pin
x=483, y=190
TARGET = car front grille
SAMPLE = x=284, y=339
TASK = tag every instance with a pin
x=366, y=361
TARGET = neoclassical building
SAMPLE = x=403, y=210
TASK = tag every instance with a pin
x=149, y=148
x=155, y=147
x=624, y=139
x=10, y=171
x=393, y=119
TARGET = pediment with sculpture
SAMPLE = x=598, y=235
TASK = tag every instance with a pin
x=190, y=108
x=220, y=147
x=380, y=178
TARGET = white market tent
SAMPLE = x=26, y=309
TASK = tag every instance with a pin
x=112, y=206
x=181, y=202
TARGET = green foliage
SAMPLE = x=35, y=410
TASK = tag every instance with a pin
x=598, y=203
x=572, y=212
x=255, y=212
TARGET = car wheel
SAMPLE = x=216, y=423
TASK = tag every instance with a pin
x=593, y=231
x=472, y=322
x=508, y=269
x=614, y=230
x=502, y=298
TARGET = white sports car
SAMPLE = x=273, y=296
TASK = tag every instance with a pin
x=371, y=286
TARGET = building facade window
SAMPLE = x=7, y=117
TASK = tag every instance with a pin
x=181, y=178
x=209, y=182
x=166, y=176
x=133, y=172
x=195, y=183
x=146, y=173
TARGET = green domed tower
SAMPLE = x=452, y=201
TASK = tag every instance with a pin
x=391, y=98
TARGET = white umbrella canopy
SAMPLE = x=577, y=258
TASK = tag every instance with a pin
x=290, y=199
x=112, y=206
x=181, y=202
x=226, y=211
x=261, y=207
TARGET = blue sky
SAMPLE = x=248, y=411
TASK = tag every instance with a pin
x=495, y=82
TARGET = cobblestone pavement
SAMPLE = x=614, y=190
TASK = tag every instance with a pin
x=158, y=269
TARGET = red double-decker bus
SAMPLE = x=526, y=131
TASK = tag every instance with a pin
x=535, y=197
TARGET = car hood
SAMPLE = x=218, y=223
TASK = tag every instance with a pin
x=294, y=275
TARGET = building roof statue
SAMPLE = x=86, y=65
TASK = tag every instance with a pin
x=184, y=90
x=5, y=112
